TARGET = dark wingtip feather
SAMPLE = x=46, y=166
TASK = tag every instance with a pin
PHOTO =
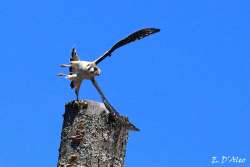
x=153, y=30
x=156, y=29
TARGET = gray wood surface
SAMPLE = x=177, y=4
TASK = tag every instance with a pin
x=92, y=136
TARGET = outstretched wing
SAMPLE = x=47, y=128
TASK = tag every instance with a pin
x=132, y=37
x=74, y=57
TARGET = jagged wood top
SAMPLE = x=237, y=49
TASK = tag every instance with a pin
x=114, y=117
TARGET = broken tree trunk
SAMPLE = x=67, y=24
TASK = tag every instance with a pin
x=92, y=136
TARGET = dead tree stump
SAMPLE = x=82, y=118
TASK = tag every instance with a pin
x=92, y=136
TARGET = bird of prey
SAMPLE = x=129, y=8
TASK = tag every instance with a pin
x=87, y=70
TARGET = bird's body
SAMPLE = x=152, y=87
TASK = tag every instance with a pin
x=85, y=69
x=79, y=71
x=82, y=70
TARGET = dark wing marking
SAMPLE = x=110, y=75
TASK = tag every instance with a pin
x=132, y=37
x=73, y=68
x=72, y=84
x=74, y=56
x=70, y=69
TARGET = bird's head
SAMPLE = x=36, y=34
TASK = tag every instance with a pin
x=94, y=69
x=97, y=70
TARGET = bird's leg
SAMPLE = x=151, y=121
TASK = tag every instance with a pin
x=113, y=114
x=98, y=89
x=104, y=99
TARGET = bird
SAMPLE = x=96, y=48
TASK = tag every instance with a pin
x=87, y=70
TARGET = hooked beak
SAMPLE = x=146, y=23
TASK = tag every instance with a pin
x=98, y=72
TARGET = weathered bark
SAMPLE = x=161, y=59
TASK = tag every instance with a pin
x=92, y=136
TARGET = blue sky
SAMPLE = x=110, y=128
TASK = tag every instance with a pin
x=186, y=88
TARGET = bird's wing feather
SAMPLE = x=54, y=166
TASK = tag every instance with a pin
x=74, y=56
x=132, y=37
